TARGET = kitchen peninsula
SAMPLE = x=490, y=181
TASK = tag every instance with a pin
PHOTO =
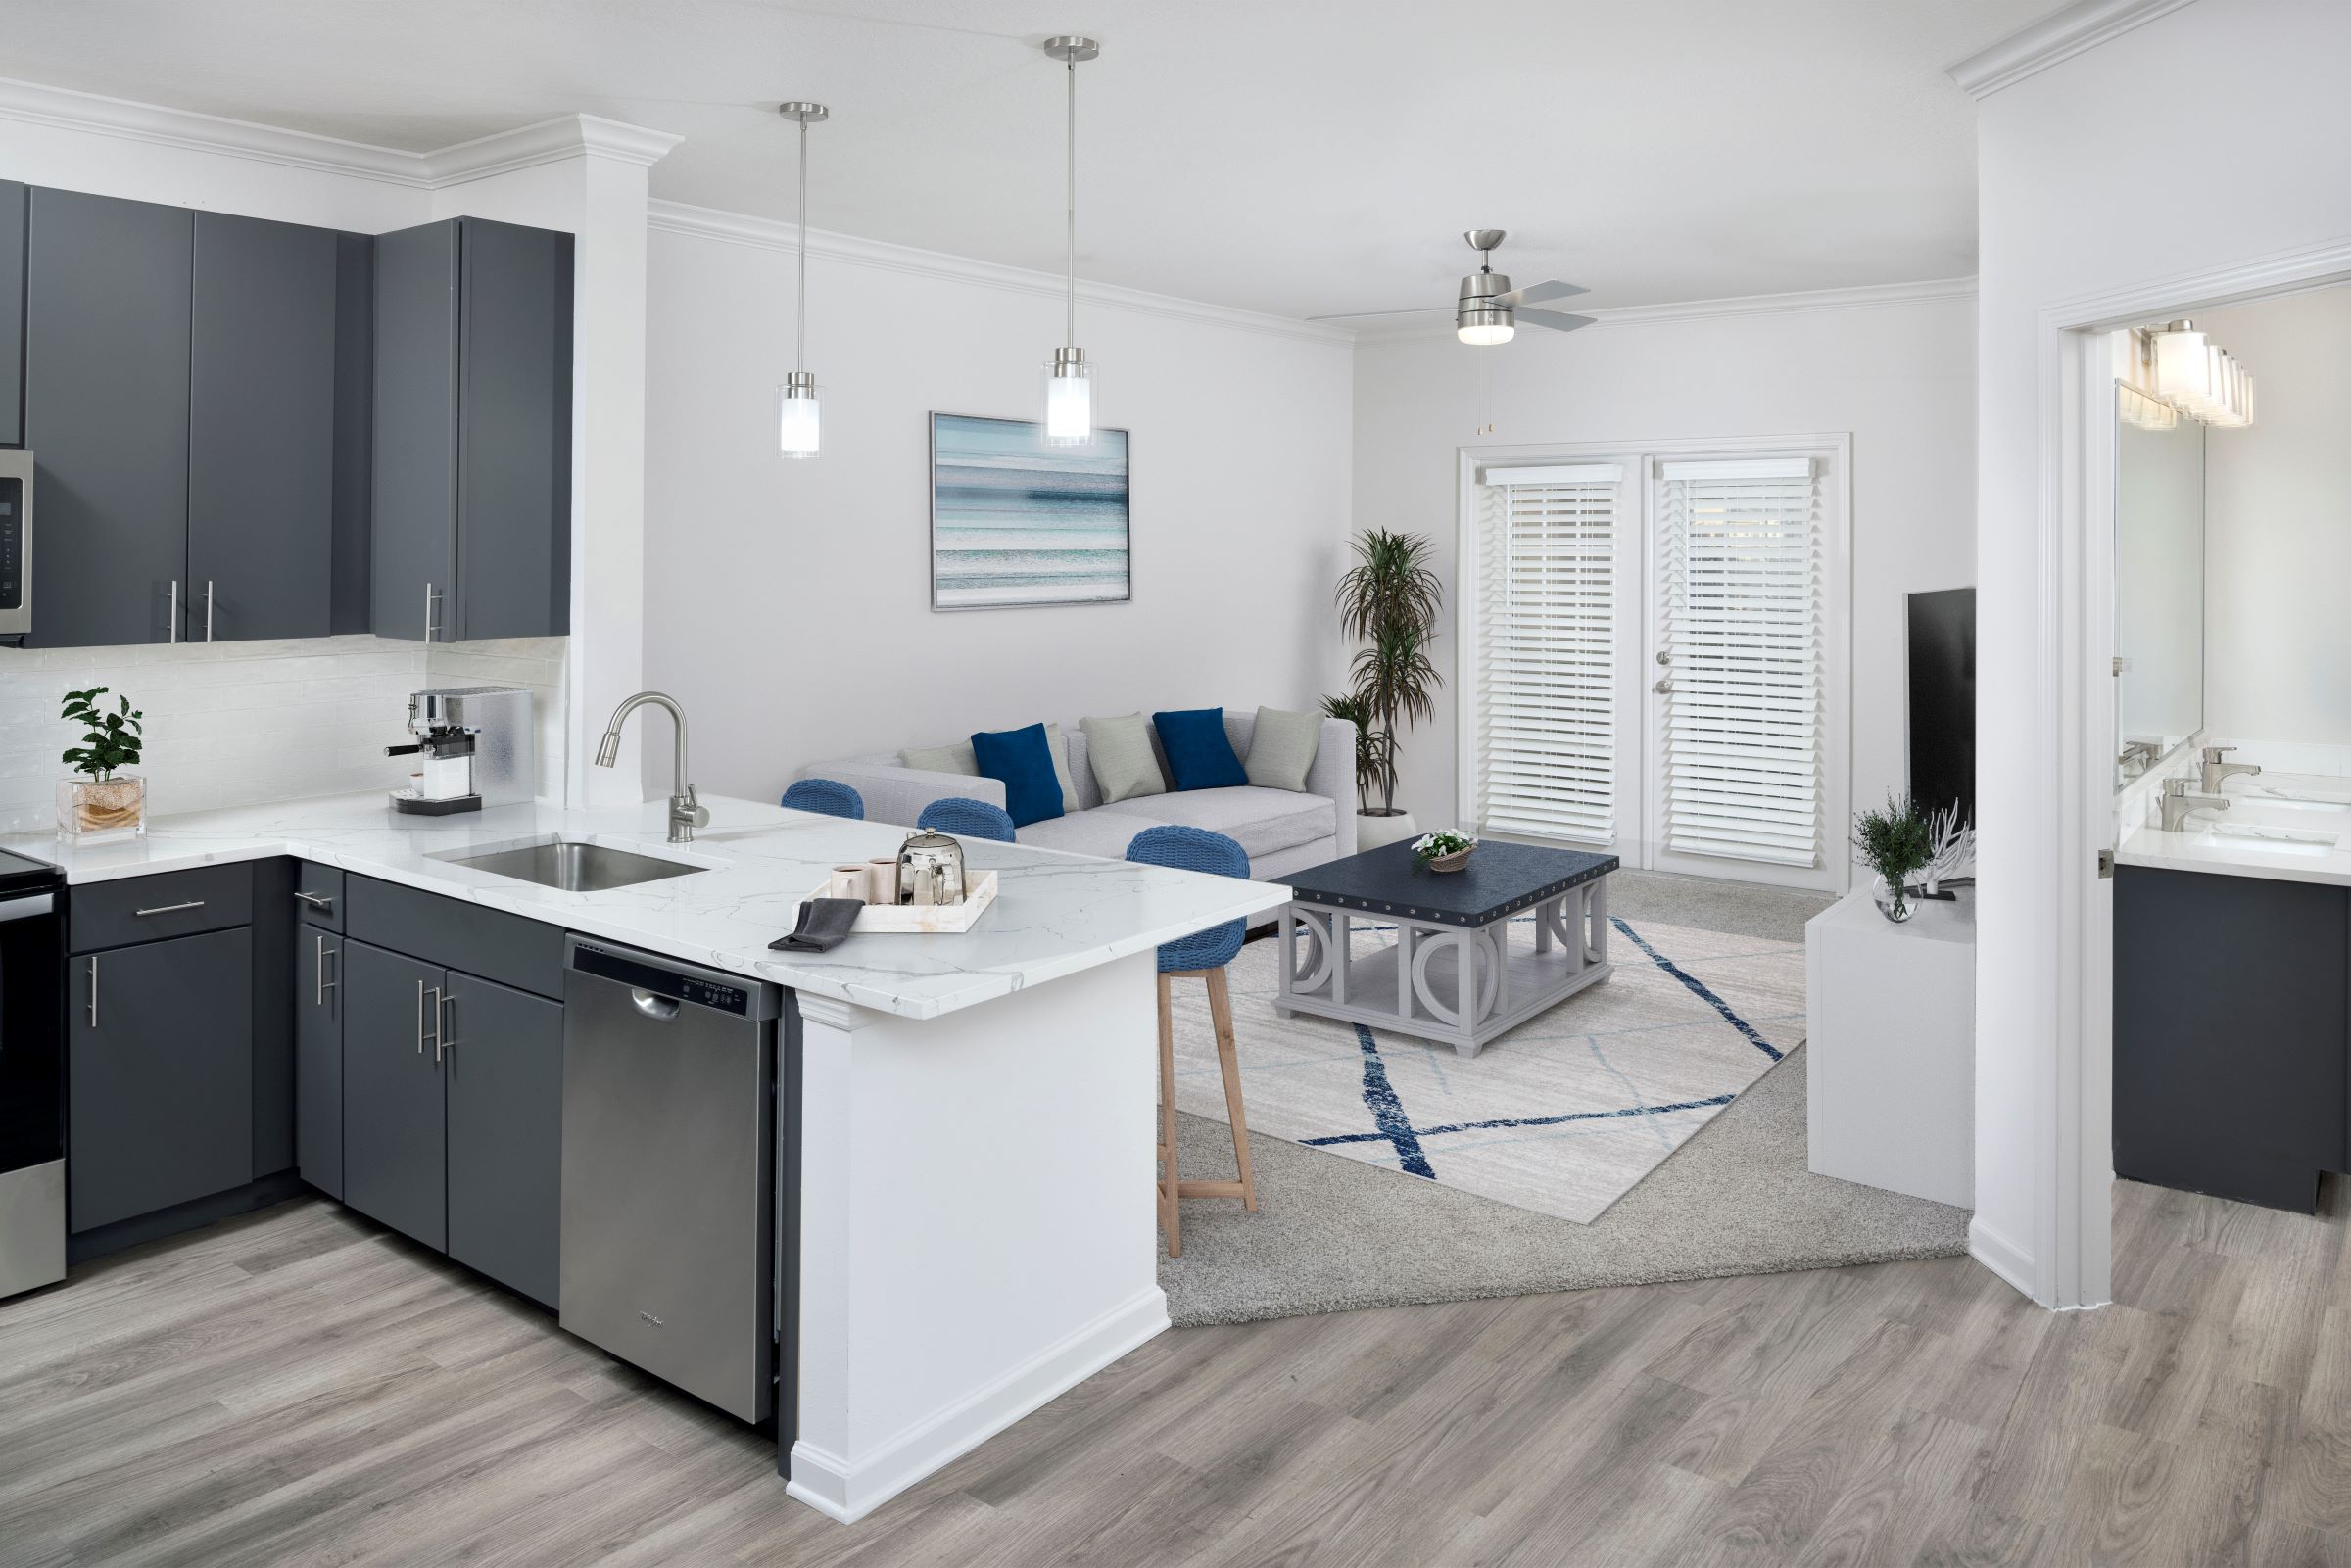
x=973, y=1132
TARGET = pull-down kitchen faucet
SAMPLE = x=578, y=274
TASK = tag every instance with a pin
x=686, y=814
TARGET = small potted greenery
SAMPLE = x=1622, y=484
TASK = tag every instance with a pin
x=96, y=803
x=1442, y=850
x=1894, y=842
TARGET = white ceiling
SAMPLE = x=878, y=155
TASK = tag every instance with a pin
x=1302, y=156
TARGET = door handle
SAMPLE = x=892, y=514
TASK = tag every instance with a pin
x=93, y=990
x=445, y=1017
x=171, y=909
x=436, y=1011
x=208, y=610
x=171, y=614
x=322, y=983
x=317, y=901
x=431, y=598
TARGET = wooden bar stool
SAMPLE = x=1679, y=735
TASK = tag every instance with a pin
x=1201, y=955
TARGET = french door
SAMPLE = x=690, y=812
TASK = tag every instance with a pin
x=1653, y=658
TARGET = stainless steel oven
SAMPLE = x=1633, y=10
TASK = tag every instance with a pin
x=16, y=542
x=32, y=1075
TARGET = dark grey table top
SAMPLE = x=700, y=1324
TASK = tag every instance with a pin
x=1500, y=881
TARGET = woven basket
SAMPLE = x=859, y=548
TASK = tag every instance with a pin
x=1453, y=862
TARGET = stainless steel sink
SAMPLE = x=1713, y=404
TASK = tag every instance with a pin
x=570, y=866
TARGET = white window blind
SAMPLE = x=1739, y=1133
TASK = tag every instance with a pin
x=1738, y=574
x=1547, y=726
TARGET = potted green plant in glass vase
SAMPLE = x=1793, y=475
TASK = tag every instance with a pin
x=1389, y=601
x=1894, y=842
x=97, y=802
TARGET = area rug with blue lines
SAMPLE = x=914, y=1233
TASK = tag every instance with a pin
x=1563, y=1116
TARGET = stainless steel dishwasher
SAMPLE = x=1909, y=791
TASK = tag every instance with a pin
x=678, y=1206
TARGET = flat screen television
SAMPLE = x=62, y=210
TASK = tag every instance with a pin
x=1943, y=700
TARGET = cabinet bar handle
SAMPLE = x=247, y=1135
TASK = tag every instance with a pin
x=93, y=990
x=445, y=1008
x=431, y=598
x=208, y=610
x=435, y=1021
x=316, y=901
x=420, y=1017
x=171, y=615
x=171, y=909
x=323, y=985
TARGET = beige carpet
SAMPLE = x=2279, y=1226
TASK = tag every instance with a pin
x=1562, y=1115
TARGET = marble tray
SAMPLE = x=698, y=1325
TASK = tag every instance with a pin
x=932, y=918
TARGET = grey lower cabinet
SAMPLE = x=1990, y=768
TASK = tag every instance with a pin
x=470, y=515
x=451, y=1130
x=160, y=1075
x=2231, y=1031
x=319, y=1008
x=106, y=415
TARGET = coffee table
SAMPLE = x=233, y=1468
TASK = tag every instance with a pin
x=1451, y=975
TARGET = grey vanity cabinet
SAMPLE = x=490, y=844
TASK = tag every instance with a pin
x=395, y=1139
x=160, y=1075
x=13, y=197
x=504, y=1072
x=318, y=1056
x=262, y=430
x=106, y=414
x=471, y=508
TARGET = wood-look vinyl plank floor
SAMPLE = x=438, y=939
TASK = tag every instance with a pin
x=302, y=1387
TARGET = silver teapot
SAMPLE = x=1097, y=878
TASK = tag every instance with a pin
x=929, y=869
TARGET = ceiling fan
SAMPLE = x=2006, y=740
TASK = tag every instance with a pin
x=1488, y=311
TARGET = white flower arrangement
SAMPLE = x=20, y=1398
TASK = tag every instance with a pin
x=1441, y=843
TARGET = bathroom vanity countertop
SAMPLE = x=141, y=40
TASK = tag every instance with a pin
x=2273, y=828
x=1055, y=914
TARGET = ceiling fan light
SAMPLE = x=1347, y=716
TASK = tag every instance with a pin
x=1483, y=329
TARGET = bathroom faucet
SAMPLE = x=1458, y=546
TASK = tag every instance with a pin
x=2177, y=803
x=2138, y=756
x=2215, y=770
x=686, y=814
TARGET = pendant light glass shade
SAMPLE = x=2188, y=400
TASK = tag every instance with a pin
x=797, y=422
x=795, y=416
x=1070, y=378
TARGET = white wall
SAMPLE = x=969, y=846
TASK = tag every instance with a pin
x=2277, y=532
x=2079, y=199
x=1897, y=374
x=787, y=603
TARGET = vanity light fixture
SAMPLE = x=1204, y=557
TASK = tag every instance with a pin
x=1070, y=379
x=2199, y=377
x=795, y=415
x=2140, y=410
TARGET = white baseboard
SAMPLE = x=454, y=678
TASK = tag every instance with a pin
x=849, y=1489
x=2001, y=1256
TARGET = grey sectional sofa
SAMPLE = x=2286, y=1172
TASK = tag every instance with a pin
x=1283, y=831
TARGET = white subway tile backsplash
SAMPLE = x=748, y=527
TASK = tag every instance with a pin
x=236, y=723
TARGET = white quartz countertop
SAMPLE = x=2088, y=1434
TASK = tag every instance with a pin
x=1055, y=914
x=2290, y=828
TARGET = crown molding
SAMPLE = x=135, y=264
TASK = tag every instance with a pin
x=1863, y=297
x=548, y=141
x=741, y=228
x=2031, y=50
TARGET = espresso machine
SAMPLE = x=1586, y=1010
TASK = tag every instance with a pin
x=475, y=746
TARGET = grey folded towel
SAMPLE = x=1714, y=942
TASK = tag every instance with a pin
x=823, y=925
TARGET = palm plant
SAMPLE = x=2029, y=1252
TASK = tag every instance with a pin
x=1351, y=708
x=1390, y=599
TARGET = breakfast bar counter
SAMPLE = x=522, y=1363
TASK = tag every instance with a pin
x=973, y=1129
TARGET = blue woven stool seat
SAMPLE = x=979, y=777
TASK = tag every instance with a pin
x=966, y=819
x=1195, y=849
x=827, y=798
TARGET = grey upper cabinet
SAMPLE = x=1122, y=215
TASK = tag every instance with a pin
x=160, y=1075
x=12, y=313
x=395, y=1139
x=471, y=513
x=262, y=430
x=106, y=413
x=504, y=1072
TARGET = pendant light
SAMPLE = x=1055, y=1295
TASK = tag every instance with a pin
x=796, y=415
x=1069, y=380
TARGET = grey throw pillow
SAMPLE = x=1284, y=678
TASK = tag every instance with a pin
x=957, y=758
x=1058, y=744
x=1281, y=748
x=1119, y=752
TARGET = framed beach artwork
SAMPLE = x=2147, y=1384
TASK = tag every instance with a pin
x=1015, y=522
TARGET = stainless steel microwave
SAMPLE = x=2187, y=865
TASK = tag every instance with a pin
x=16, y=542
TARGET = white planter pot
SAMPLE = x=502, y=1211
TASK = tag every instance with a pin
x=1372, y=832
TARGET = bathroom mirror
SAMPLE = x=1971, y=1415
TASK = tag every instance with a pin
x=2159, y=581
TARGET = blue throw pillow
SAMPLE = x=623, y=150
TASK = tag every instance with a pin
x=1199, y=754
x=1022, y=761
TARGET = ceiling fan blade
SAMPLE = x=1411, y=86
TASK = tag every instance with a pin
x=1357, y=315
x=1557, y=320
x=1537, y=293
